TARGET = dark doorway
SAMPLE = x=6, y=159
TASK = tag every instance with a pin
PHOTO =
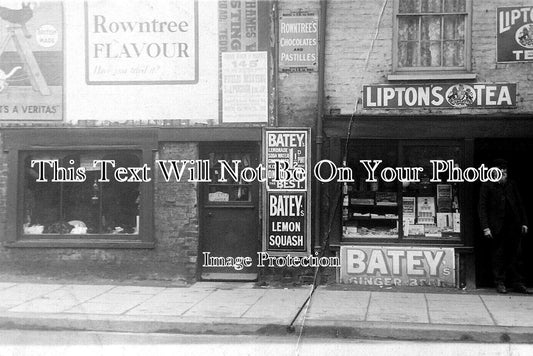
x=518, y=153
x=229, y=224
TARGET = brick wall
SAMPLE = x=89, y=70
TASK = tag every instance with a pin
x=175, y=229
x=351, y=28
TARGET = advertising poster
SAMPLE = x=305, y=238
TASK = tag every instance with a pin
x=397, y=266
x=244, y=87
x=515, y=34
x=287, y=221
x=135, y=42
x=286, y=157
x=298, y=43
x=238, y=23
x=31, y=61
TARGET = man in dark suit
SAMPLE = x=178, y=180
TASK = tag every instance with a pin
x=504, y=222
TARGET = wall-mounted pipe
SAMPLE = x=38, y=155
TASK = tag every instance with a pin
x=319, y=139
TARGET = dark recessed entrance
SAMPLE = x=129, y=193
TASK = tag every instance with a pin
x=518, y=153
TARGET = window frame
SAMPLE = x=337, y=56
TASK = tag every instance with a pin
x=19, y=142
x=400, y=239
x=433, y=70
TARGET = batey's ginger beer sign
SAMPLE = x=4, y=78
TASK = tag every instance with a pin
x=398, y=266
x=141, y=42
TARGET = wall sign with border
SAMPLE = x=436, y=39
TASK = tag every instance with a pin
x=298, y=42
x=31, y=63
x=141, y=42
x=515, y=34
x=286, y=221
x=442, y=96
x=400, y=266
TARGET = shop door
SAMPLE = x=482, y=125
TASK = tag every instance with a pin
x=516, y=153
x=229, y=224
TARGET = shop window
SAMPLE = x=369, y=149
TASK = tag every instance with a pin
x=431, y=209
x=432, y=35
x=82, y=208
x=371, y=209
x=396, y=211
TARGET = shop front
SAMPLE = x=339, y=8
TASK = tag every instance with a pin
x=409, y=217
x=147, y=201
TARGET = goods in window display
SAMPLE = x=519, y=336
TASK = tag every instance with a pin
x=444, y=198
x=409, y=208
x=386, y=198
x=444, y=221
x=425, y=210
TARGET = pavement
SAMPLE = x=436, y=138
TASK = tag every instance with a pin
x=246, y=309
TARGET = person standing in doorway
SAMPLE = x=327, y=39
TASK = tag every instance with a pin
x=504, y=222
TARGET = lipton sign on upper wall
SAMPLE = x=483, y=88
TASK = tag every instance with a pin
x=515, y=34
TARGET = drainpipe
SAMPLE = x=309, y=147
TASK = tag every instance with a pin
x=320, y=112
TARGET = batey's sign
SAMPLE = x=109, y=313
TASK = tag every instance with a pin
x=443, y=96
x=400, y=266
x=286, y=216
x=514, y=39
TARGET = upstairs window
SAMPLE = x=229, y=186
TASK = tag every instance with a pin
x=432, y=35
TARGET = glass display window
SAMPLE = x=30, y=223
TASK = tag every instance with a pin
x=399, y=210
x=430, y=210
x=79, y=204
x=371, y=209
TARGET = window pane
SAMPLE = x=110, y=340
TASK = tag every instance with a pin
x=454, y=53
x=454, y=27
x=430, y=54
x=431, y=28
x=408, y=54
x=120, y=200
x=408, y=28
x=409, y=6
x=454, y=5
x=431, y=5
x=41, y=199
x=80, y=207
x=431, y=210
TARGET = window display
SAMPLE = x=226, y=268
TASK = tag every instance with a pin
x=79, y=207
x=435, y=204
x=399, y=210
x=370, y=209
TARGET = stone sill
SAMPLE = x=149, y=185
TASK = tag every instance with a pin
x=82, y=243
x=431, y=76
